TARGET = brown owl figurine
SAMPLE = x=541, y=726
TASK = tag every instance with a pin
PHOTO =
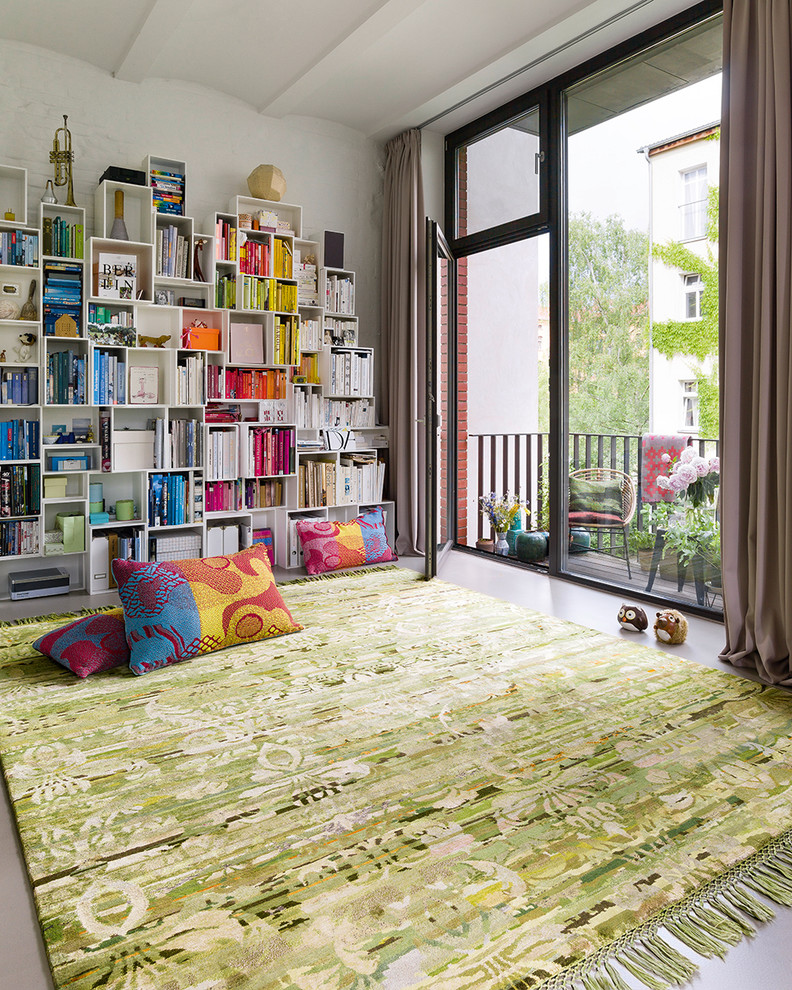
x=633, y=618
x=671, y=627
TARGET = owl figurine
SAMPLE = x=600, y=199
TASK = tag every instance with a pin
x=671, y=627
x=632, y=618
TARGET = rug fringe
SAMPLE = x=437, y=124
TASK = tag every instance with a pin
x=352, y=572
x=709, y=922
x=54, y=616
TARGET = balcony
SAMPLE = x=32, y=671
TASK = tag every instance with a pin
x=518, y=463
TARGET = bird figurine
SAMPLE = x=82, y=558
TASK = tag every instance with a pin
x=671, y=627
x=633, y=618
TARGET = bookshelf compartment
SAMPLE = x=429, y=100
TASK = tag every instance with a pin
x=167, y=178
x=138, y=211
x=13, y=194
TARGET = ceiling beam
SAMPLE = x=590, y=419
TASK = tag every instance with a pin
x=160, y=25
x=332, y=64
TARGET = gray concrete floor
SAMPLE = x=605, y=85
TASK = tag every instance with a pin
x=760, y=963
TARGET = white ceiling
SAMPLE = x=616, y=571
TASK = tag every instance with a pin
x=378, y=66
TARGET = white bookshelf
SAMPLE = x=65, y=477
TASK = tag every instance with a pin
x=194, y=447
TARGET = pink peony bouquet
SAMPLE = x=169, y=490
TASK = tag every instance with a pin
x=691, y=477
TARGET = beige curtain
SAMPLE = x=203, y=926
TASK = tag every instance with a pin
x=756, y=321
x=404, y=333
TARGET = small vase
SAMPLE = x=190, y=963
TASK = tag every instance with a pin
x=501, y=544
x=118, y=231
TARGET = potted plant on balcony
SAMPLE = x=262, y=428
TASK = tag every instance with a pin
x=641, y=542
x=693, y=531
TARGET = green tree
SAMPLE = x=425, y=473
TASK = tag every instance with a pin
x=608, y=328
x=697, y=339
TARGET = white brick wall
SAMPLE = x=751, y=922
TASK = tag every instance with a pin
x=333, y=172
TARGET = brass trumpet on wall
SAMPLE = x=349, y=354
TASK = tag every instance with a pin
x=63, y=158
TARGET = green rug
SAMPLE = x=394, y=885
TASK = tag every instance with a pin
x=426, y=788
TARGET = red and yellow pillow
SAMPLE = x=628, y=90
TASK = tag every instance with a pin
x=181, y=608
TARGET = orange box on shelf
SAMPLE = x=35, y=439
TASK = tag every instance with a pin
x=201, y=338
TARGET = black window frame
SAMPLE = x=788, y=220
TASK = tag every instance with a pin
x=552, y=218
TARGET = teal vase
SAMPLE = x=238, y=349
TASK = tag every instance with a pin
x=531, y=546
x=511, y=536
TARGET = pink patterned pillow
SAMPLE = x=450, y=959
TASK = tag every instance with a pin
x=330, y=546
x=88, y=645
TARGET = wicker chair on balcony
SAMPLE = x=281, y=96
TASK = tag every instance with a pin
x=602, y=498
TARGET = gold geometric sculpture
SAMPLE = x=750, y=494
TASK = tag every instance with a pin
x=65, y=326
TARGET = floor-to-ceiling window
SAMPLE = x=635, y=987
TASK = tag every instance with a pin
x=584, y=223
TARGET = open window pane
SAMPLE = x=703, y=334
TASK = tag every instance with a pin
x=502, y=386
x=498, y=176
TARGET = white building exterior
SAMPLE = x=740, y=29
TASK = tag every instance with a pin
x=682, y=170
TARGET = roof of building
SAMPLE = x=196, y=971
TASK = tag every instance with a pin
x=687, y=137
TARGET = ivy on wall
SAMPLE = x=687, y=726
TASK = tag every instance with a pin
x=697, y=339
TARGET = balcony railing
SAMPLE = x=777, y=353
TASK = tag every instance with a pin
x=518, y=463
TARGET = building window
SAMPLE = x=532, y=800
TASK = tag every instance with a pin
x=694, y=294
x=694, y=203
x=689, y=405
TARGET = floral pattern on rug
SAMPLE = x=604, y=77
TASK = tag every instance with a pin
x=425, y=788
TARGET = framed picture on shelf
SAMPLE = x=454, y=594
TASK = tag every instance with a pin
x=246, y=343
x=143, y=385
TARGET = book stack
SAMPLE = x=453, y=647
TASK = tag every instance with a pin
x=65, y=382
x=62, y=293
x=109, y=377
x=122, y=544
x=20, y=489
x=363, y=478
x=190, y=380
x=349, y=415
x=339, y=294
x=225, y=240
x=19, y=440
x=284, y=298
x=286, y=349
x=186, y=437
x=19, y=539
x=216, y=413
x=19, y=388
x=167, y=191
x=254, y=383
x=270, y=451
x=263, y=494
x=215, y=382
x=173, y=253
x=264, y=536
x=221, y=454
x=225, y=291
x=254, y=257
x=170, y=497
x=307, y=408
x=62, y=239
x=17, y=247
x=222, y=496
x=350, y=373
x=307, y=284
x=310, y=334
x=282, y=259
x=317, y=484
x=309, y=368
